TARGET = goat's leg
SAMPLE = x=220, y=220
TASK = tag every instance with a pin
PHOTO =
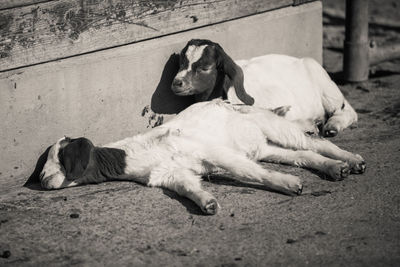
x=342, y=118
x=328, y=149
x=341, y=114
x=247, y=170
x=289, y=135
x=336, y=169
x=185, y=183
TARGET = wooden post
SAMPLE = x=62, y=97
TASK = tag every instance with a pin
x=355, y=60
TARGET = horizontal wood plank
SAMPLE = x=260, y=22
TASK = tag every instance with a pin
x=59, y=29
x=17, y=3
x=300, y=2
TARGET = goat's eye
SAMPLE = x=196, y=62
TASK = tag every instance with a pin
x=204, y=69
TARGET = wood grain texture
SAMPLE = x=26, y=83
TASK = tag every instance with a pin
x=59, y=29
x=300, y=2
x=17, y=3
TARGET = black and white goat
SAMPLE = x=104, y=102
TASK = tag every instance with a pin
x=205, y=137
x=269, y=81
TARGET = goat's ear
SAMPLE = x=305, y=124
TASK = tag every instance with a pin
x=35, y=176
x=75, y=157
x=235, y=74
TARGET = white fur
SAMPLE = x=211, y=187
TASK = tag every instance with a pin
x=279, y=80
x=301, y=83
x=193, y=54
x=215, y=135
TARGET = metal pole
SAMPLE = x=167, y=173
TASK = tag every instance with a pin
x=355, y=60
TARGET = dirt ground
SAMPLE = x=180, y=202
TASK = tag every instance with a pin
x=353, y=222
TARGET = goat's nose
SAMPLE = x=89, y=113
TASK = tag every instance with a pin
x=177, y=82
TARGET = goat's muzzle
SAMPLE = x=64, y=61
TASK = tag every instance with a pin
x=180, y=87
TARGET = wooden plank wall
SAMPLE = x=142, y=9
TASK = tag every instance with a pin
x=17, y=3
x=50, y=30
x=299, y=2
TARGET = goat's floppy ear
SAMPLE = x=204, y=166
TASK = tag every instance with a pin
x=75, y=157
x=35, y=176
x=235, y=74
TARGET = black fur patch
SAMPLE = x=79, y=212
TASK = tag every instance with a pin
x=234, y=73
x=229, y=73
x=75, y=156
x=81, y=158
x=110, y=162
x=342, y=106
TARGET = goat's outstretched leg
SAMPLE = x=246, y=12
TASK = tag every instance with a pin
x=328, y=149
x=336, y=169
x=289, y=135
x=186, y=183
x=247, y=170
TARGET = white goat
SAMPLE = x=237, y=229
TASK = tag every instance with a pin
x=201, y=139
x=269, y=81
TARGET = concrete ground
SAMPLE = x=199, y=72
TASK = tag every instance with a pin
x=353, y=222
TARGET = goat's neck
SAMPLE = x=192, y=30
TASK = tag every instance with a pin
x=218, y=91
x=205, y=96
x=143, y=151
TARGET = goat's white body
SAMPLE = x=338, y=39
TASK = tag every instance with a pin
x=211, y=135
x=301, y=83
x=216, y=135
x=192, y=136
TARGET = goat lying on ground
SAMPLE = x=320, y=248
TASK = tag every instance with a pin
x=201, y=139
x=271, y=81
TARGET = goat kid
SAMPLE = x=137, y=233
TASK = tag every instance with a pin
x=269, y=81
x=206, y=137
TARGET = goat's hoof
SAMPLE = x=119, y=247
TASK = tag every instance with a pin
x=339, y=171
x=344, y=171
x=211, y=207
x=330, y=133
x=295, y=190
x=358, y=166
x=294, y=187
x=300, y=190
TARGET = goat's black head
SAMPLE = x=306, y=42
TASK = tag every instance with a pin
x=71, y=162
x=207, y=72
x=65, y=162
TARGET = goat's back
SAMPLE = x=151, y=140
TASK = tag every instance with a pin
x=280, y=80
x=216, y=123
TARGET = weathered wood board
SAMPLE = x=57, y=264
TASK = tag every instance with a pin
x=299, y=2
x=18, y=3
x=58, y=29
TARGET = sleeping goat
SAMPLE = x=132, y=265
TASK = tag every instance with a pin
x=206, y=137
x=269, y=81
